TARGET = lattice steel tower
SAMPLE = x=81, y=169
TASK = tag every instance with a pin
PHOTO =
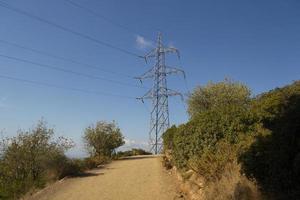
x=159, y=93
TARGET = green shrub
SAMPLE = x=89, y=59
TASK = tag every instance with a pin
x=273, y=159
x=227, y=126
x=72, y=167
x=221, y=128
x=224, y=120
x=132, y=152
x=90, y=163
x=102, y=139
x=27, y=159
x=216, y=95
x=212, y=162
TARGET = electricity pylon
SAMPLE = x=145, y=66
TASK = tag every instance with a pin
x=159, y=93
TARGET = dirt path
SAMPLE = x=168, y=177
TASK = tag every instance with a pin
x=137, y=178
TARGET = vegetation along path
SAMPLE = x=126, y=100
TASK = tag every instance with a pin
x=135, y=178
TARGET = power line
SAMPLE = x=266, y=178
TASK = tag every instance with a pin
x=62, y=58
x=101, y=16
x=62, y=87
x=68, y=71
x=78, y=5
x=82, y=35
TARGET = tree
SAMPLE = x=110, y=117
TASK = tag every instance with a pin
x=103, y=138
x=215, y=95
x=26, y=158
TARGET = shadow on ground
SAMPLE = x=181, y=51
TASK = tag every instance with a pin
x=86, y=174
x=138, y=157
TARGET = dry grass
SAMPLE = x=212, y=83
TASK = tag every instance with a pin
x=232, y=186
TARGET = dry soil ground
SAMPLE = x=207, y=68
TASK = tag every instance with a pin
x=135, y=178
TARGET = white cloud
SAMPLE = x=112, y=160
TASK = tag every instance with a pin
x=129, y=144
x=171, y=44
x=142, y=43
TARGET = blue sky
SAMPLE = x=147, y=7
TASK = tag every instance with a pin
x=255, y=42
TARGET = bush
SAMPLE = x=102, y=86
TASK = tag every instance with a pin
x=273, y=159
x=212, y=163
x=95, y=161
x=226, y=126
x=72, y=167
x=132, y=152
x=222, y=121
x=27, y=160
x=102, y=139
x=221, y=127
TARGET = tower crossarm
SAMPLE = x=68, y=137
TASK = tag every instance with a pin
x=148, y=95
x=171, y=50
x=174, y=70
x=151, y=73
x=171, y=92
x=147, y=75
x=151, y=54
